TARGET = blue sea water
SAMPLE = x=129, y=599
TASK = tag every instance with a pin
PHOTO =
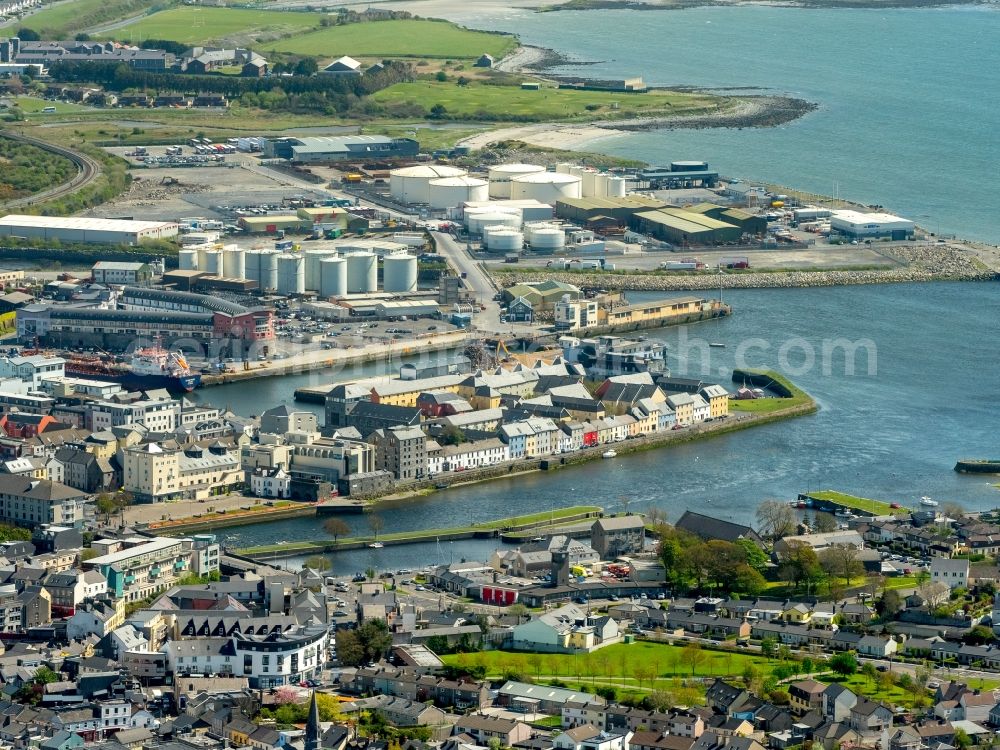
x=908, y=114
x=923, y=392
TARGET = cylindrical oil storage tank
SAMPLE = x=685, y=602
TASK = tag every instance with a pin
x=547, y=240
x=449, y=192
x=187, y=260
x=500, y=239
x=212, y=264
x=479, y=221
x=203, y=256
x=362, y=273
x=314, y=255
x=234, y=264
x=588, y=183
x=411, y=184
x=291, y=274
x=269, y=269
x=251, y=265
x=600, y=185
x=616, y=187
x=333, y=277
x=545, y=187
x=399, y=273
x=501, y=175
x=564, y=167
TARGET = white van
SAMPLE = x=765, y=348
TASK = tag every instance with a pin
x=46, y=110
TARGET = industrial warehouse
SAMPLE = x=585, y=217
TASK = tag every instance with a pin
x=82, y=229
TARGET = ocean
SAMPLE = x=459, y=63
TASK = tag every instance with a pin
x=908, y=115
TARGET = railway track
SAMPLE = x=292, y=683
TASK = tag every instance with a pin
x=88, y=169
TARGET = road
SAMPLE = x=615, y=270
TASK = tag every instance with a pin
x=88, y=170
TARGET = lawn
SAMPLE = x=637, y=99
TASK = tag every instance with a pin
x=30, y=105
x=196, y=25
x=779, y=383
x=619, y=664
x=502, y=103
x=430, y=139
x=397, y=38
x=877, y=507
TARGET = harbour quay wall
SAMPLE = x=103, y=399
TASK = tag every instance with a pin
x=978, y=466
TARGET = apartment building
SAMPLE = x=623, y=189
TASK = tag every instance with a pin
x=154, y=474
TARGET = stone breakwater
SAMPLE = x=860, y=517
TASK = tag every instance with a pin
x=920, y=263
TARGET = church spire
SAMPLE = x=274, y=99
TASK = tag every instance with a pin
x=313, y=730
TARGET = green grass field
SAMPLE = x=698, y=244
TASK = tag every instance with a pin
x=858, y=503
x=616, y=664
x=769, y=405
x=30, y=105
x=513, y=103
x=397, y=38
x=195, y=25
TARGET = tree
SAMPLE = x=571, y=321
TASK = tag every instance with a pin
x=337, y=527
x=748, y=580
x=756, y=558
x=845, y=663
x=317, y=563
x=841, y=560
x=889, y=605
x=661, y=700
x=775, y=519
x=306, y=66
x=671, y=556
x=962, y=739
x=768, y=648
x=868, y=670
x=979, y=635
x=28, y=35
x=451, y=435
x=375, y=638
x=800, y=566
x=350, y=652
x=934, y=593
x=441, y=76
x=518, y=610
x=953, y=510
x=105, y=505
x=825, y=523
x=10, y=533
x=693, y=656
x=644, y=673
x=375, y=523
x=438, y=111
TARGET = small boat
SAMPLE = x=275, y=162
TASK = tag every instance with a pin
x=716, y=345
x=376, y=545
x=928, y=502
x=611, y=453
x=844, y=514
x=441, y=486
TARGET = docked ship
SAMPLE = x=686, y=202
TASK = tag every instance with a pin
x=149, y=368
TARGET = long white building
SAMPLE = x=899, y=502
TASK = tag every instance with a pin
x=84, y=229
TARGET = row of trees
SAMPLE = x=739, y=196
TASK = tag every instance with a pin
x=306, y=91
x=722, y=566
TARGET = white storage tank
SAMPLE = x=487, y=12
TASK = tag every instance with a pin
x=251, y=264
x=478, y=222
x=399, y=273
x=291, y=274
x=546, y=187
x=314, y=255
x=212, y=264
x=564, y=167
x=269, y=269
x=501, y=239
x=449, y=192
x=234, y=264
x=412, y=184
x=547, y=240
x=362, y=273
x=187, y=260
x=501, y=175
x=333, y=277
x=616, y=187
x=600, y=185
x=203, y=256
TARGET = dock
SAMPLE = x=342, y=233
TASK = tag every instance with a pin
x=831, y=501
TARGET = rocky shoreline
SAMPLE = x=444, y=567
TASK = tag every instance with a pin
x=921, y=263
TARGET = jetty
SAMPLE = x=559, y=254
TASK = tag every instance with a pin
x=978, y=466
x=831, y=501
x=537, y=524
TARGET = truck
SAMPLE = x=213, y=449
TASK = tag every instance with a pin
x=352, y=177
x=736, y=263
